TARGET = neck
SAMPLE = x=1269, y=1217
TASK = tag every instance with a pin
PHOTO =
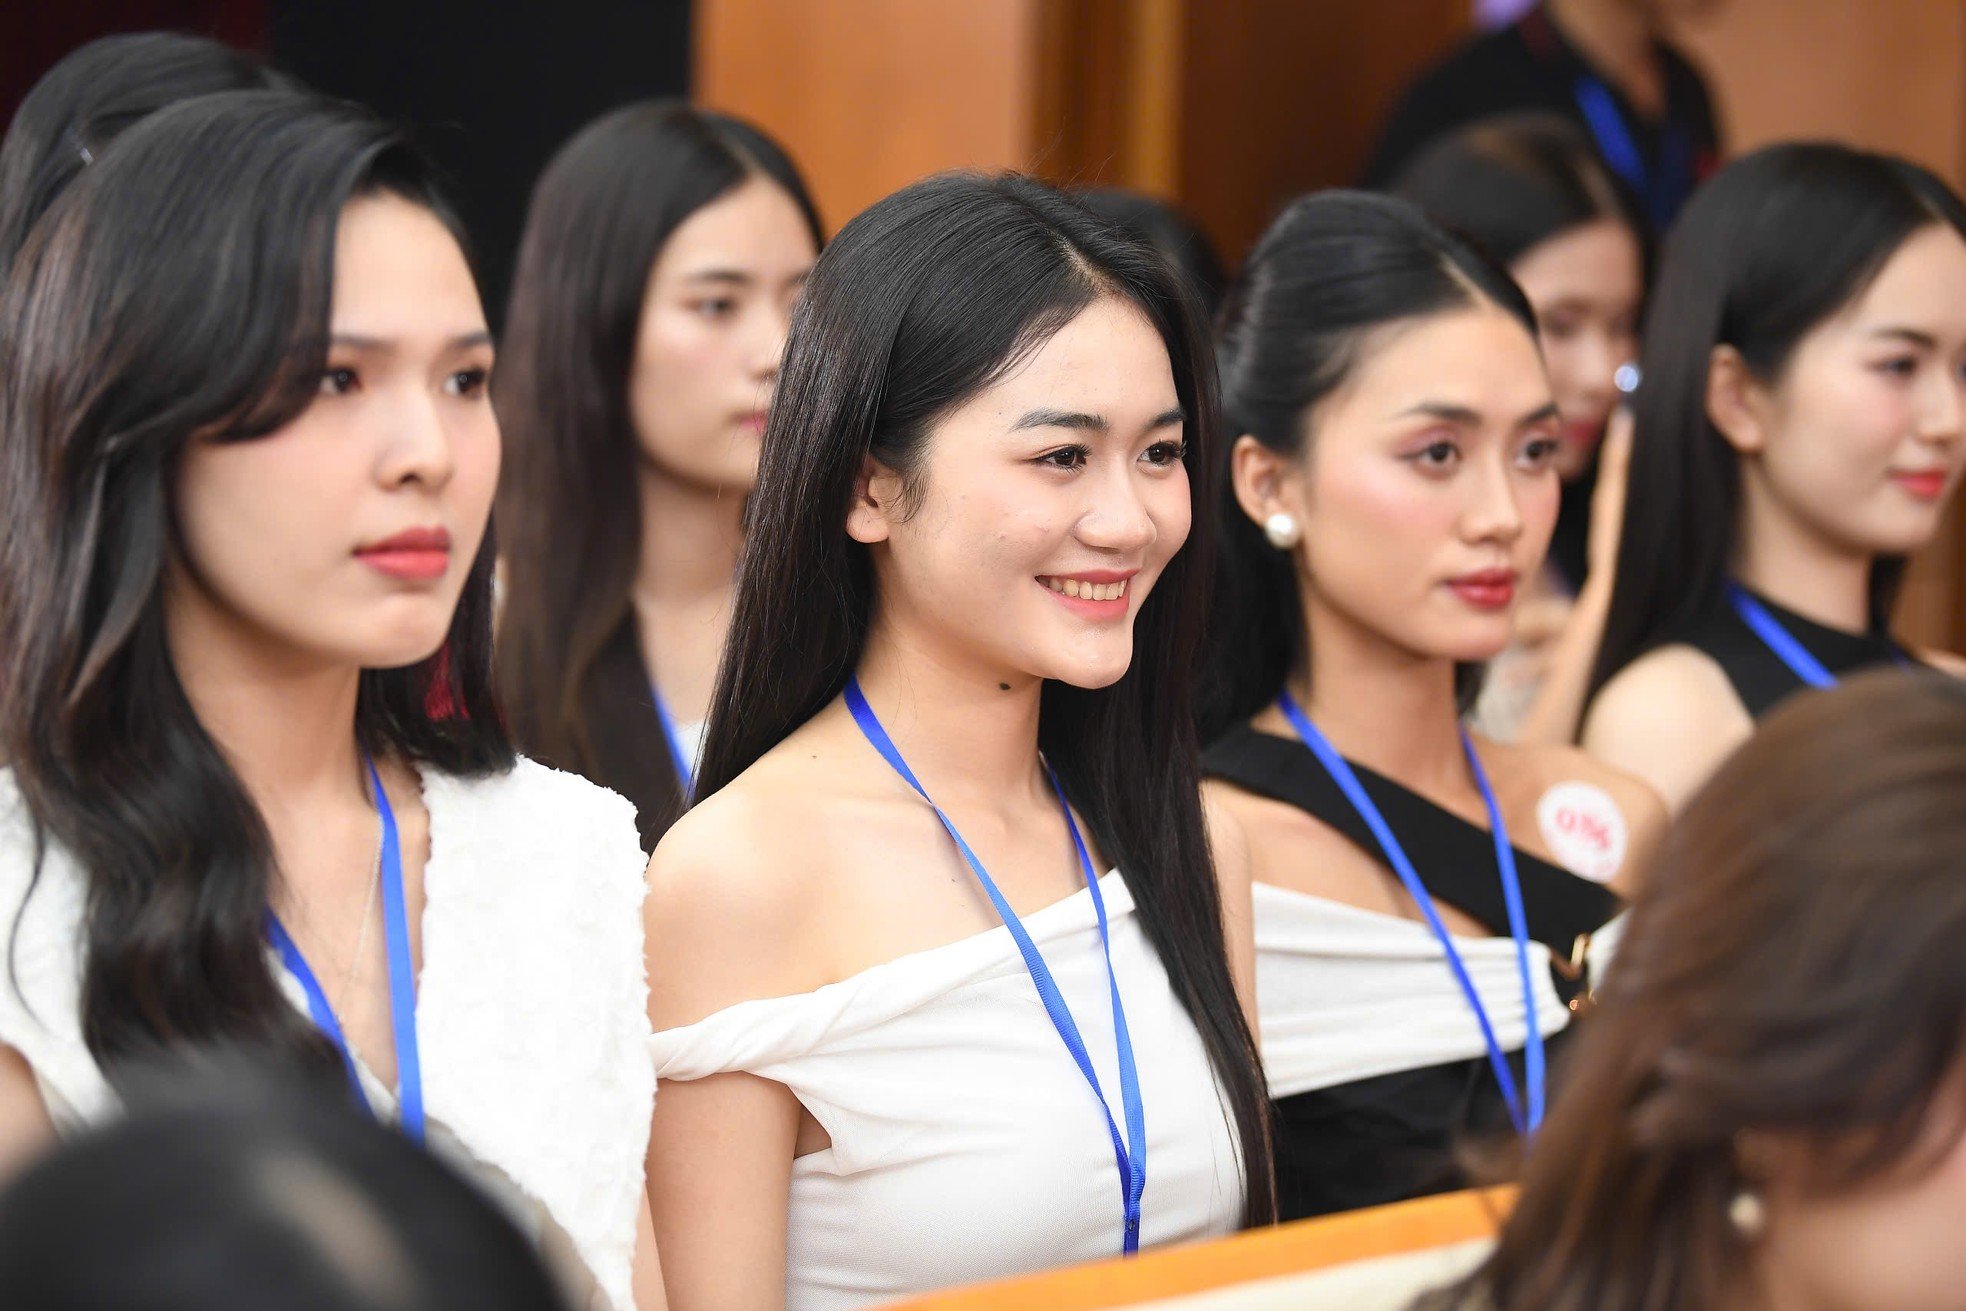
x=959, y=726
x=1385, y=707
x=1800, y=569
x=286, y=725
x=1615, y=36
x=691, y=537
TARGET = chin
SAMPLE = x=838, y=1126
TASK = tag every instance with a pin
x=1090, y=673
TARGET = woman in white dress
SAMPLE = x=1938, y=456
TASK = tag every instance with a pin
x=895, y=1058
x=259, y=795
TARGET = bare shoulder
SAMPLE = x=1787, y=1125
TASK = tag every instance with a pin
x=1543, y=771
x=1228, y=835
x=735, y=887
x=1668, y=719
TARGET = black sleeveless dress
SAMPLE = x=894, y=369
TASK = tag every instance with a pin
x=1398, y=1135
x=1758, y=675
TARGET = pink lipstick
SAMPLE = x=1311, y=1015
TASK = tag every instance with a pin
x=416, y=554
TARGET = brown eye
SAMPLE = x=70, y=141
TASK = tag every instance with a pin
x=338, y=382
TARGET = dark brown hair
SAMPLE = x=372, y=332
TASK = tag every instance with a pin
x=570, y=667
x=1793, y=969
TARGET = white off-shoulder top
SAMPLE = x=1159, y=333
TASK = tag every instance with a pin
x=531, y=1009
x=966, y=1145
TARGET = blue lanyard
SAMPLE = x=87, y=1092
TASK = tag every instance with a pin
x=685, y=767
x=1131, y=1161
x=1662, y=194
x=1778, y=639
x=402, y=976
x=1341, y=773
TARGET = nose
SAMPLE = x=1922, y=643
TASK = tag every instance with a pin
x=417, y=446
x=1943, y=415
x=766, y=347
x=1492, y=513
x=1117, y=518
x=1598, y=358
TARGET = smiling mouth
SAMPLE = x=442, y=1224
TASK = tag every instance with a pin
x=1084, y=590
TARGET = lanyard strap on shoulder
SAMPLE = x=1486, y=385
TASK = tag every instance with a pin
x=1130, y=1151
x=1525, y=1118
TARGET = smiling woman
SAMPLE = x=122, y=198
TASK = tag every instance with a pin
x=907, y=1029
x=250, y=460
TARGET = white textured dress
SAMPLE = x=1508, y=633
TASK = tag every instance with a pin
x=966, y=1145
x=531, y=1009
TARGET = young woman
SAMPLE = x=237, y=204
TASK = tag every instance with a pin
x=908, y=1043
x=665, y=249
x=1390, y=488
x=249, y=463
x=1765, y=1112
x=1799, y=432
x=96, y=93
x=1531, y=193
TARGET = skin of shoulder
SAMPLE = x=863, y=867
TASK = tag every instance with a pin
x=1545, y=765
x=733, y=886
x=1669, y=719
x=1945, y=661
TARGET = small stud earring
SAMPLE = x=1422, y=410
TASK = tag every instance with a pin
x=1747, y=1214
x=1282, y=531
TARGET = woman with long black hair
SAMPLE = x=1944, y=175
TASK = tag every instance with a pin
x=1415, y=887
x=663, y=254
x=1801, y=427
x=1531, y=193
x=908, y=1035
x=258, y=793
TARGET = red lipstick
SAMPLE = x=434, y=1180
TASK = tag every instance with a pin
x=416, y=554
x=1487, y=589
x=1925, y=484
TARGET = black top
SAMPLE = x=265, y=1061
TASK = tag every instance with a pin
x=1454, y=858
x=1758, y=675
x=1401, y=1135
x=1530, y=65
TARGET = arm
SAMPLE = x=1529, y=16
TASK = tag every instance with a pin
x=647, y=1270
x=1559, y=702
x=721, y=929
x=1234, y=874
x=25, y=1129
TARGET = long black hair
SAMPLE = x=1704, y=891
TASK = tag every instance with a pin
x=1769, y=248
x=919, y=303
x=96, y=93
x=570, y=667
x=180, y=291
x=1331, y=269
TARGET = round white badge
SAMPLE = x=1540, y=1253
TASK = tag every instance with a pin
x=1584, y=829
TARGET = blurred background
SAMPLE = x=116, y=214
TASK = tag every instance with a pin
x=1225, y=107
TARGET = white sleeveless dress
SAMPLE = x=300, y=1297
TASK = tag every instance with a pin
x=531, y=1008
x=966, y=1145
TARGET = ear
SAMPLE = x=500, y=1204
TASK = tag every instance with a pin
x=1266, y=481
x=871, y=514
x=1737, y=403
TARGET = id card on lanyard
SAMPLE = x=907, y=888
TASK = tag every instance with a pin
x=1525, y=1109
x=1130, y=1151
x=402, y=977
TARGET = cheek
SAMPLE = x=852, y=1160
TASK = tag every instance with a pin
x=678, y=363
x=1847, y=425
x=1374, y=520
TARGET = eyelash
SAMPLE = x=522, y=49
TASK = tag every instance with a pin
x=721, y=308
x=466, y=384
x=1172, y=453
x=1537, y=451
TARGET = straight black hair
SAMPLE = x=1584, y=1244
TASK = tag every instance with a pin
x=1769, y=248
x=93, y=95
x=921, y=302
x=1168, y=231
x=237, y=1188
x=570, y=667
x=180, y=292
x=1333, y=268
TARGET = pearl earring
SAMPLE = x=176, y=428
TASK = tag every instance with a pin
x=1747, y=1214
x=1282, y=531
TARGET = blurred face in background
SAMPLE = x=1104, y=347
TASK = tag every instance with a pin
x=714, y=320
x=1586, y=285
